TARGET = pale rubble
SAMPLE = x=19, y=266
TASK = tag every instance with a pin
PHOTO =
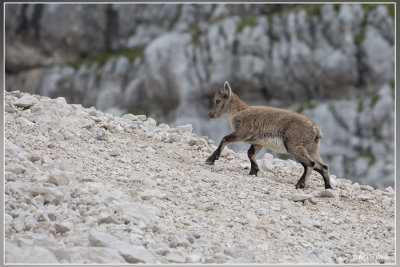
x=134, y=197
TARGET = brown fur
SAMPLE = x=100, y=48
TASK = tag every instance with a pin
x=280, y=130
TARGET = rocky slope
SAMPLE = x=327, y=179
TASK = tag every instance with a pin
x=168, y=59
x=83, y=186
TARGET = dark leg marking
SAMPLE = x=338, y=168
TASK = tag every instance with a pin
x=251, y=153
x=307, y=170
x=325, y=174
x=231, y=138
x=323, y=169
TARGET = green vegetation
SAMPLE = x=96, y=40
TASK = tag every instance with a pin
x=336, y=7
x=139, y=112
x=176, y=18
x=246, y=22
x=369, y=7
x=377, y=132
x=307, y=104
x=360, y=106
x=217, y=19
x=312, y=10
x=101, y=58
x=360, y=36
x=391, y=9
x=369, y=155
x=374, y=98
x=348, y=164
x=195, y=31
x=132, y=31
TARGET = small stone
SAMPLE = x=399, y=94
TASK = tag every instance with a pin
x=389, y=190
x=105, y=217
x=58, y=177
x=151, y=121
x=252, y=218
x=245, y=165
x=28, y=254
x=364, y=197
x=195, y=258
x=136, y=254
x=115, y=152
x=150, y=150
x=366, y=187
x=38, y=200
x=38, y=178
x=276, y=207
x=101, y=135
x=89, y=125
x=172, y=138
x=141, y=117
x=195, y=235
x=262, y=211
x=175, y=257
x=317, y=224
x=240, y=253
x=175, y=241
x=243, y=195
x=316, y=255
x=34, y=157
x=52, y=216
x=8, y=219
x=327, y=193
x=18, y=223
x=185, y=128
x=30, y=223
x=333, y=235
x=129, y=116
x=23, y=121
x=162, y=251
x=153, y=193
x=300, y=197
x=192, y=142
x=189, y=237
x=62, y=227
x=339, y=260
x=26, y=101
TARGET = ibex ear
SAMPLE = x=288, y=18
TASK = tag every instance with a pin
x=227, y=89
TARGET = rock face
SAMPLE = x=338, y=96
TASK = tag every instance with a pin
x=69, y=201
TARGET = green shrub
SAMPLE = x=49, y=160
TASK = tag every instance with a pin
x=246, y=22
x=101, y=58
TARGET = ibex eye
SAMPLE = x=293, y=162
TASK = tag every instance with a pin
x=217, y=101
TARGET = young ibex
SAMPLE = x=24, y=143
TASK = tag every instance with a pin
x=279, y=130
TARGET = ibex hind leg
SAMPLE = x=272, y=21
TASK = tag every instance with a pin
x=251, y=153
x=302, y=156
x=323, y=169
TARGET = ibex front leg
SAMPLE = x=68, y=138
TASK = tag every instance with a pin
x=252, y=152
x=231, y=138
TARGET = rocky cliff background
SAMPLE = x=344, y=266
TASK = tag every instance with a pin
x=333, y=63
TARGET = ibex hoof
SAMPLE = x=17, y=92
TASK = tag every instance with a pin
x=328, y=187
x=253, y=172
x=300, y=185
x=210, y=161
